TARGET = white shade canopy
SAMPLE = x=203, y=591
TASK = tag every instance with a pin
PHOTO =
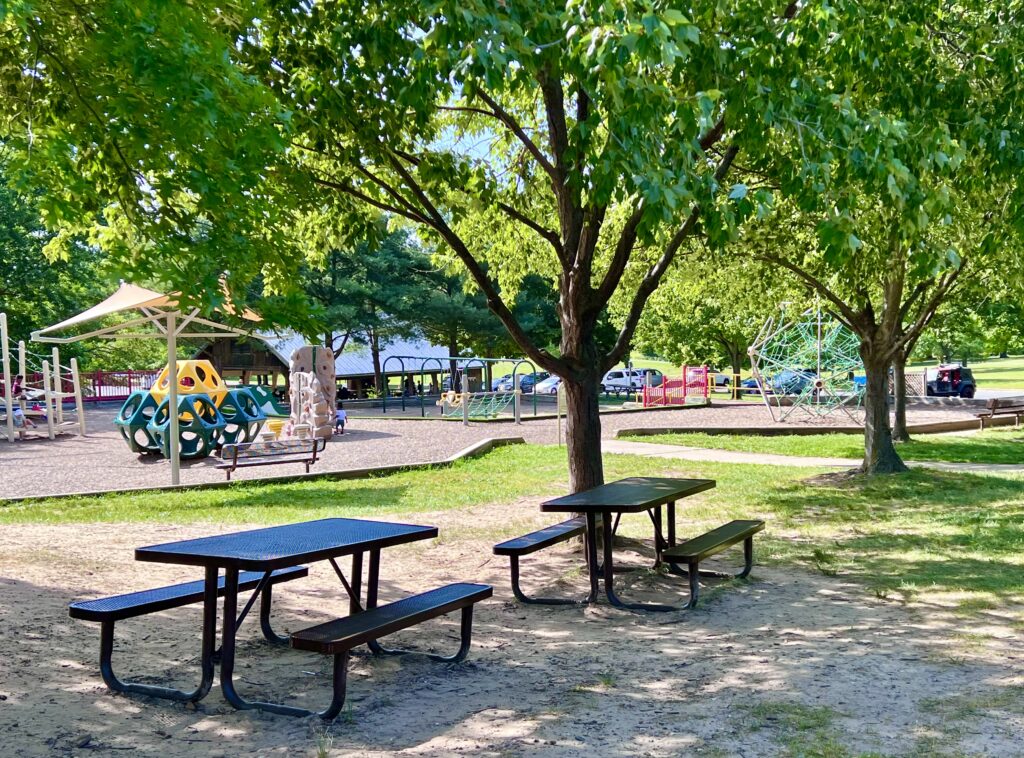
x=153, y=305
x=168, y=322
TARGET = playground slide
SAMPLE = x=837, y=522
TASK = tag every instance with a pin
x=269, y=404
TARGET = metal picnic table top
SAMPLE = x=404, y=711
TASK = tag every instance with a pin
x=287, y=545
x=633, y=495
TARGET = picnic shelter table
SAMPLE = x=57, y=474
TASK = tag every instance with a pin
x=267, y=550
x=638, y=494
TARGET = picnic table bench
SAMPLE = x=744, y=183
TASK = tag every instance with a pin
x=338, y=637
x=1002, y=406
x=245, y=454
x=693, y=551
x=109, y=610
x=531, y=543
x=258, y=559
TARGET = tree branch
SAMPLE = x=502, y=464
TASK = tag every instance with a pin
x=712, y=136
x=548, y=234
x=370, y=200
x=653, y=278
x=506, y=118
x=845, y=313
x=483, y=281
x=942, y=289
x=394, y=193
x=623, y=250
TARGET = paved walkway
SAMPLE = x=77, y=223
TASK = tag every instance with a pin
x=681, y=452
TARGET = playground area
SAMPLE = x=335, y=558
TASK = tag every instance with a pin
x=102, y=461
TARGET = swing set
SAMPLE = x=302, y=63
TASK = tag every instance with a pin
x=458, y=402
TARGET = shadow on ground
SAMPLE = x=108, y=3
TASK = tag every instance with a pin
x=787, y=660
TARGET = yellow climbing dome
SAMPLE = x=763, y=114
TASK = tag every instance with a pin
x=194, y=377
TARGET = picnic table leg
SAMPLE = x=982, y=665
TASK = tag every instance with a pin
x=671, y=513
x=591, y=548
x=206, y=656
x=227, y=655
x=659, y=541
x=266, y=601
x=354, y=604
x=609, y=576
x=372, y=586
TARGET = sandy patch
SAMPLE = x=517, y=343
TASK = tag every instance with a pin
x=789, y=659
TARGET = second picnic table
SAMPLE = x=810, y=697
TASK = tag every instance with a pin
x=639, y=494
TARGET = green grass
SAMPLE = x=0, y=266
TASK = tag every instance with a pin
x=993, y=373
x=990, y=446
x=501, y=477
x=920, y=532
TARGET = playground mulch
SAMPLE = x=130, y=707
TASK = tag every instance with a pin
x=101, y=461
x=789, y=664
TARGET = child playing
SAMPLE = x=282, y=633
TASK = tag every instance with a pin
x=21, y=421
x=340, y=417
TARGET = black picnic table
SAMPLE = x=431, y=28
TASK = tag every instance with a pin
x=269, y=549
x=636, y=494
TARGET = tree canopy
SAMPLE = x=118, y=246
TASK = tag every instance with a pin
x=584, y=142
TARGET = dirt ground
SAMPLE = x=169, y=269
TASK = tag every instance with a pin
x=102, y=461
x=787, y=664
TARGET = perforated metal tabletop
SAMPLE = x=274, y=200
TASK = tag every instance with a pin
x=288, y=545
x=632, y=495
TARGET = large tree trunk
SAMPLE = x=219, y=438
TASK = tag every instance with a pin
x=582, y=390
x=880, y=456
x=736, y=358
x=583, y=433
x=453, y=366
x=378, y=375
x=900, y=433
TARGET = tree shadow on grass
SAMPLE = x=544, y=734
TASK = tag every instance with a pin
x=992, y=447
x=944, y=530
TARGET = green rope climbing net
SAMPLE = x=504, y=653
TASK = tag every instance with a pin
x=807, y=366
x=482, y=405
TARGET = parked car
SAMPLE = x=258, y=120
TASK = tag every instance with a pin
x=526, y=381
x=720, y=378
x=618, y=380
x=650, y=377
x=496, y=383
x=792, y=381
x=951, y=380
x=751, y=387
x=549, y=386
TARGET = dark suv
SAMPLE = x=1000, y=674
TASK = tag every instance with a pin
x=950, y=381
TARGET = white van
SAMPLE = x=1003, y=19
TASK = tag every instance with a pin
x=620, y=379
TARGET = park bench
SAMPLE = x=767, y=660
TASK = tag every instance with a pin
x=531, y=543
x=693, y=551
x=109, y=610
x=245, y=454
x=337, y=638
x=1002, y=406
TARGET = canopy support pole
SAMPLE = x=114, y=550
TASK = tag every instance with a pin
x=172, y=395
x=8, y=384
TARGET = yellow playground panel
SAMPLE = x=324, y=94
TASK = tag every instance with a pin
x=194, y=377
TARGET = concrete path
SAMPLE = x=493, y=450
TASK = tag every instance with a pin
x=984, y=394
x=680, y=452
